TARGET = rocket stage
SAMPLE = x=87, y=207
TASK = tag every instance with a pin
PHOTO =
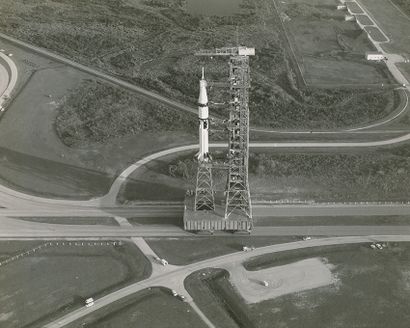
x=213, y=220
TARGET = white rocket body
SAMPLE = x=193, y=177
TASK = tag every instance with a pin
x=203, y=115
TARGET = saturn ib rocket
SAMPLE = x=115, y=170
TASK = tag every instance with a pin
x=203, y=114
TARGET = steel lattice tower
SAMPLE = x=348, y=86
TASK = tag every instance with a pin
x=204, y=192
x=238, y=199
x=237, y=188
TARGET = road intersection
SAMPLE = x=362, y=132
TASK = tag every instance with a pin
x=17, y=205
x=174, y=277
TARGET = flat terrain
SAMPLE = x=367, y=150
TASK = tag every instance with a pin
x=181, y=251
x=318, y=30
x=405, y=69
x=152, y=307
x=58, y=278
x=370, y=290
x=313, y=221
x=330, y=177
x=159, y=57
x=39, y=176
x=364, y=20
x=281, y=280
x=372, y=175
x=393, y=23
x=97, y=112
x=158, y=180
x=34, y=159
x=73, y=220
x=321, y=71
x=403, y=6
x=353, y=7
x=375, y=33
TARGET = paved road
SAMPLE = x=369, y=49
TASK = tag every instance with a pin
x=18, y=229
x=148, y=93
x=12, y=198
x=26, y=205
x=388, y=119
x=110, y=198
x=99, y=74
x=4, y=79
x=392, y=59
x=11, y=79
x=179, y=274
x=20, y=204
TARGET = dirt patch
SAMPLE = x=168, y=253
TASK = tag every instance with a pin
x=282, y=280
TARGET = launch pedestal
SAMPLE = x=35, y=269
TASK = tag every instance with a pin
x=213, y=220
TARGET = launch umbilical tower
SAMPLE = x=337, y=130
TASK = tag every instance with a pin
x=238, y=209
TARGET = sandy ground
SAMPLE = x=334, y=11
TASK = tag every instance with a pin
x=285, y=279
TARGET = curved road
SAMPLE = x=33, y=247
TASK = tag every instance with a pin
x=10, y=81
x=111, y=197
x=4, y=79
x=17, y=199
x=156, y=96
x=177, y=275
x=392, y=59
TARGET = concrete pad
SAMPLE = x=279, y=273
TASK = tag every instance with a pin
x=286, y=279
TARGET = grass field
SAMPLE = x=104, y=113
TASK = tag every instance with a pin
x=403, y=5
x=215, y=296
x=151, y=44
x=154, y=181
x=330, y=177
x=50, y=178
x=405, y=69
x=339, y=220
x=318, y=30
x=98, y=112
x=152, y=307
x=393, y=23
x=171, y=220
x=33, y=159
x=73, y=220
x=370, y=175
x=57, y=279
x=320, y=70
x=181, y=251
x=371, y=291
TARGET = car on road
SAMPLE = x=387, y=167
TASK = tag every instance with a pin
x=182, y=298
x=89, y=302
